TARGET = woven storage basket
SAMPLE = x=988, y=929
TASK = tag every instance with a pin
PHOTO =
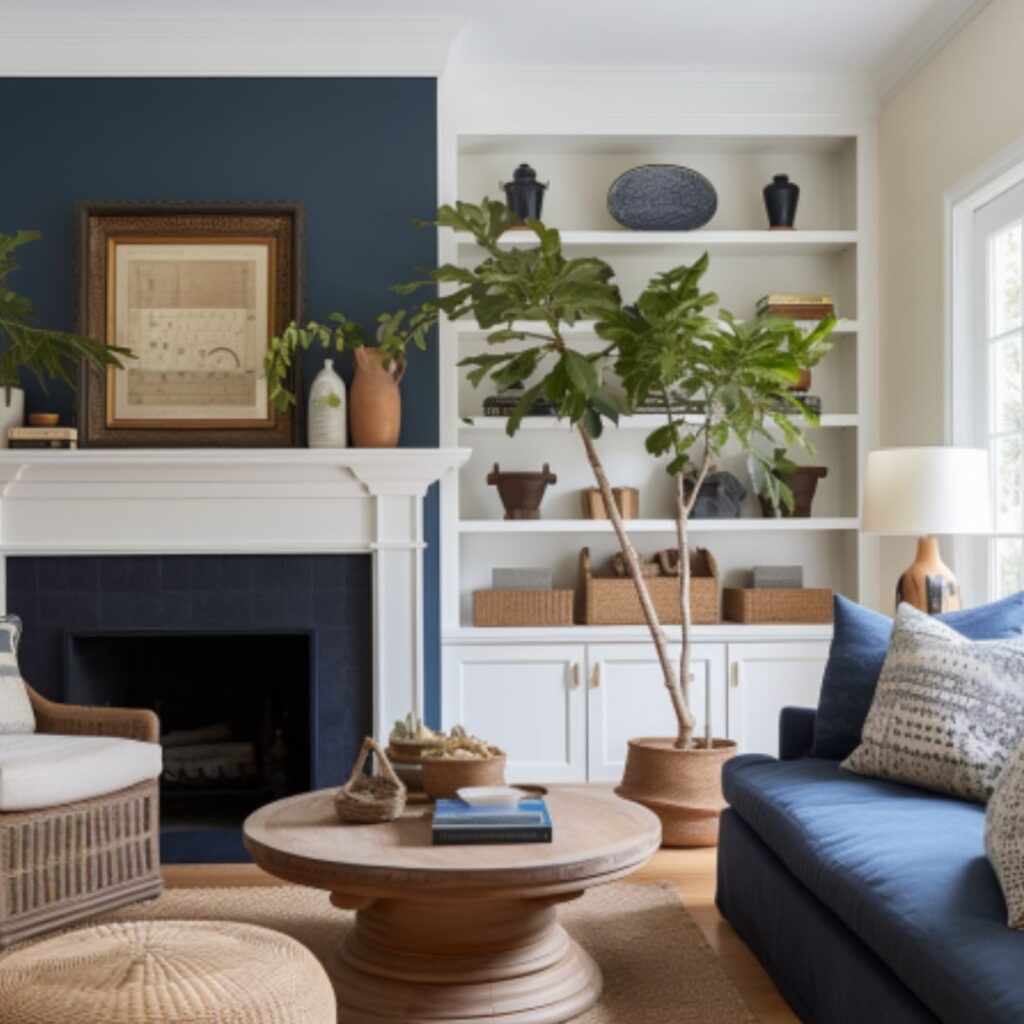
x=371, y=798
x=522, y=607
x=612, y=601
x=777, y=605
x=627, y=499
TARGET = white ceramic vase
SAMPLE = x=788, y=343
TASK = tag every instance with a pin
x=326, y=422
x=12, y=412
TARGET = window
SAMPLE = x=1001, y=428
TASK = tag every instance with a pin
x=985, y=397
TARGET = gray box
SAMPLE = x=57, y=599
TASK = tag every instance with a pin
x=778, y=577
x=521, y=579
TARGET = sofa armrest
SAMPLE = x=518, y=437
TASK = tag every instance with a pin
x=81, y=720
x=796, y=732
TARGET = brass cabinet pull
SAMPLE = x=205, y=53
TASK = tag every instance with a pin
x=595, y=676
x=574, y=683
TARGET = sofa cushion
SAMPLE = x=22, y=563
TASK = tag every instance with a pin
x=43, y=770
x=16, y=714
x=948, y=711
x=905, y=870
x=860, y=640
x=1004, y=836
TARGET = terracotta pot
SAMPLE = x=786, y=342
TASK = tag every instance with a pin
x=682, y=787
x=442, y=776
x=803, y=482
x=375, y=402
x=521, y=493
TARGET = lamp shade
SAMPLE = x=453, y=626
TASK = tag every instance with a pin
x=920, y=491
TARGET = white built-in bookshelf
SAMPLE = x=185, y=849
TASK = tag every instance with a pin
x=830, y=252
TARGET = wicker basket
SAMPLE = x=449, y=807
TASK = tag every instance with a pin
x=626, y=498
x=522, y=607
x=777, y=605
x=612, y=601
x=371, y=798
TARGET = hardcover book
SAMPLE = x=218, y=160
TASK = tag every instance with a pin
x=456, y=823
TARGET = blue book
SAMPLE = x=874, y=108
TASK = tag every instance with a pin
x=457, y=823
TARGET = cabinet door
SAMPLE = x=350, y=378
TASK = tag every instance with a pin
x=626, y=698
x=527, y=699
x=765, y=678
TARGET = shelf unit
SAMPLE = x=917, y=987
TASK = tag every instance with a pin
x=832, y=251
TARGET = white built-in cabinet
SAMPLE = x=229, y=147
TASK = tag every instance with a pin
x=565, y=712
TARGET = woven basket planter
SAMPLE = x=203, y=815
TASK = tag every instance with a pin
x=61, y=864
x=804, y=605
x=612, y=600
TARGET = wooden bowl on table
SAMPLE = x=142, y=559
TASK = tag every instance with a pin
x=444, y=776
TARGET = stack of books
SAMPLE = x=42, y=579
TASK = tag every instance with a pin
x=505, y=401
x=796, y=307
x=42, y=437
x=458, y=824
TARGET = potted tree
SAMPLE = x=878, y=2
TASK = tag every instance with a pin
x=727, y=380
x=45, y=353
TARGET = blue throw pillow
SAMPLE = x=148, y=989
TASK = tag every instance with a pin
x=860, y=641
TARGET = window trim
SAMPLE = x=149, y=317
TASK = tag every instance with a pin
x=961, y=202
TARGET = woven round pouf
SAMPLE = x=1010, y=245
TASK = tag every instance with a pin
x=171, y=972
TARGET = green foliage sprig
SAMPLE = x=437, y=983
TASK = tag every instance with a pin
x=45, y=353
x=395, y=333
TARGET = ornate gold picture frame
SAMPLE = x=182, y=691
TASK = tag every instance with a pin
x=196, y=292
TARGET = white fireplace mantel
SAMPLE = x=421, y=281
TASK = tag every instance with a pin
x=244, y=501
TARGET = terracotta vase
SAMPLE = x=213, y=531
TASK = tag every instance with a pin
x=929, y=584
x=375, y=402
x=682, y=787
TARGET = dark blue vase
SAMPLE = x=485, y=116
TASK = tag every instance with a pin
x=780, y=199
x=524, y=194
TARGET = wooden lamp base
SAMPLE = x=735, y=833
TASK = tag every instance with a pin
x=929, y=584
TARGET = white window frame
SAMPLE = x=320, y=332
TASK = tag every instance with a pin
x=965, y=386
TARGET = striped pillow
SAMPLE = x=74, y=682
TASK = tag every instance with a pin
x=948, y=711
x=16, y=714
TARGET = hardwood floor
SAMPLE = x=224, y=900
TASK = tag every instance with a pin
x=692, y=872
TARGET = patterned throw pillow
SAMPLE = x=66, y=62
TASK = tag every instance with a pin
x=1004, y=836
x=16, y=715
x=948, y=712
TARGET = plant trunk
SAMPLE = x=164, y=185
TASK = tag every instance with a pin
x=682, y=519
x=684, y=719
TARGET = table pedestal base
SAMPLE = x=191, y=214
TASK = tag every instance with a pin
x=457, y=960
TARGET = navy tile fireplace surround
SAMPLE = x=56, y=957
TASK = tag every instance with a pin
x=287, y=639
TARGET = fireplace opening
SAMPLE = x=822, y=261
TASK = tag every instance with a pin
x=236, y=710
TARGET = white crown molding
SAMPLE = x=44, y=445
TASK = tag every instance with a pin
x=262, y=46
x=929, y=35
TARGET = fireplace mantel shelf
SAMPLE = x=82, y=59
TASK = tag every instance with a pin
x=243, y=501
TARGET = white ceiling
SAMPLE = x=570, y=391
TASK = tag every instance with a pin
x=884, y=39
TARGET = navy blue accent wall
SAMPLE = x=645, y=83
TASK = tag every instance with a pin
x=360, y=154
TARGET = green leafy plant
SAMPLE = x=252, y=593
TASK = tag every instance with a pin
x=768, y=474
x=45, y=353
x=395, y=333
x=718, y=377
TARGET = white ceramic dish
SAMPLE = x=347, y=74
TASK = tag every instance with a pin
x=490, y=796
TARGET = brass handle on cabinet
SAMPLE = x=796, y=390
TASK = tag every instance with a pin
x=595, y=676
x=736, y=674
x=574, y=683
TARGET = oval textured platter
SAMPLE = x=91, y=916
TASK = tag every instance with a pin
x=662, y=197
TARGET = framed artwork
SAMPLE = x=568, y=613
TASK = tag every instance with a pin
x=196, y=292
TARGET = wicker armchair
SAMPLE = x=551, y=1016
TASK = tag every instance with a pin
x=61, y=864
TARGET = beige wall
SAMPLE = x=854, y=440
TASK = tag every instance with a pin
x=963, y=107
x=957, y=112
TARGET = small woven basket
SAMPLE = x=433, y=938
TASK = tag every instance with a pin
x=371, y=798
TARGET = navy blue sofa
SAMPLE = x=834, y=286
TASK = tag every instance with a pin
x=868, y=902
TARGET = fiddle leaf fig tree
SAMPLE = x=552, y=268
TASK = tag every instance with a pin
x=718, y=378
x=45, y=353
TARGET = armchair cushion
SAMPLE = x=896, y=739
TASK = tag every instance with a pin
x=43, y=770
x=16, y=715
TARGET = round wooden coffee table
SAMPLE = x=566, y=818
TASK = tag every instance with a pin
x=456, y=933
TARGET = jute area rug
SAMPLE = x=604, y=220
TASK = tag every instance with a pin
x=658, y=968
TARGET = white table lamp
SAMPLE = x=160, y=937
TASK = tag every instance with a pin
x=924, y=492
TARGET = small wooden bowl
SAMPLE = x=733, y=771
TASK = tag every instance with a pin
x=444, y=776
x=411, y=751
x=43, y=419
